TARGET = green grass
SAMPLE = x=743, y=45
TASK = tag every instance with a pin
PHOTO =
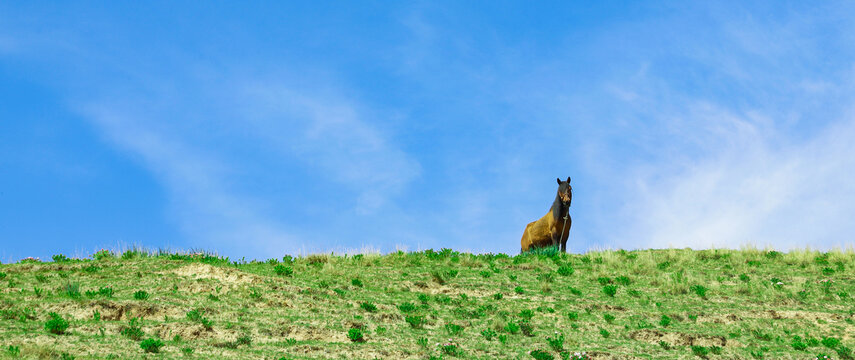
x=648, y=304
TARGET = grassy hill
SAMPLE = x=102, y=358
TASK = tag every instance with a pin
x=649, y=304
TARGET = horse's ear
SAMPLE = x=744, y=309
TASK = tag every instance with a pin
x=568, y=179
x=558, y=180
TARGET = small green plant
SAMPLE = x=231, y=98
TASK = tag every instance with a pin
x=424, y=298
x=575, y=291
x=133, y=330
x=700, y=290
x=106, y=291
x=103, y=255
x=603, y=280
x=526, y=314
x=438, y=277
x=355, y=335
x=453, y=329
x=56, y=324
x=187, y=351
x=368, y=306
x=565, y=270
x=830, y=342
x=13, y=350
x=526, y=327
x=423, y=342
x=573, y=316
x=844, y=352
x=196, y=315
x=489, y=334
x=546, y=277
x=72, y=290
x=503, y=339
x=407, y=307
x=415, y=321
x=512, y=328
x=450, y=348
x=664, y=345
x=623, y=280
x=60, y=258
x=556, y=342
x=141, y=295
x=604, y=333
x=442, y=299
x=356, y=282
x=665, y=321
x=255, y=294
x=798, y=344
x=609, y=318
x=541, y=355
x=610, y=290
x=283, y=270
x=498, y=296
x=486, y=273
x=151, y=345
x=244, y=340
x=96, y=315
x=519, y=290
x=66, y=356
x=700, y=351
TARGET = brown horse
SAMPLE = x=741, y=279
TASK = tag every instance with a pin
x=547, y=230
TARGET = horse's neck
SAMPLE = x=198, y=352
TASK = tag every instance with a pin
x=558, y=209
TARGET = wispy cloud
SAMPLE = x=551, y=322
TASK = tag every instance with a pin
x=331, y=134
x=288, y=134
x=201, y=202
x=750, y=191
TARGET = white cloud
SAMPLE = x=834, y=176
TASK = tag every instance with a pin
x=754, y=188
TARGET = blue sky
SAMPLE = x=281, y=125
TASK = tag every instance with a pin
x=265, y=128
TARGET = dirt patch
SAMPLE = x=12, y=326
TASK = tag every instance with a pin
x=606, y=307
x=801, y=315
x=302, y=333
x=679, y=339
x=228, y=276
x=187, y=331
x=597, y=355
x=450, y=289
x=719, y=319
x=114, y=311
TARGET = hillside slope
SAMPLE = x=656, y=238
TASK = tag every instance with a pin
x=648, y=304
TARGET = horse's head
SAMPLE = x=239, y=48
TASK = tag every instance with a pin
x=565, y=191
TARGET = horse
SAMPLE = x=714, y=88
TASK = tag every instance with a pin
x=551, y=229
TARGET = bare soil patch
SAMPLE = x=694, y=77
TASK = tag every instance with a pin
x=680, y=339
x=228, y=276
